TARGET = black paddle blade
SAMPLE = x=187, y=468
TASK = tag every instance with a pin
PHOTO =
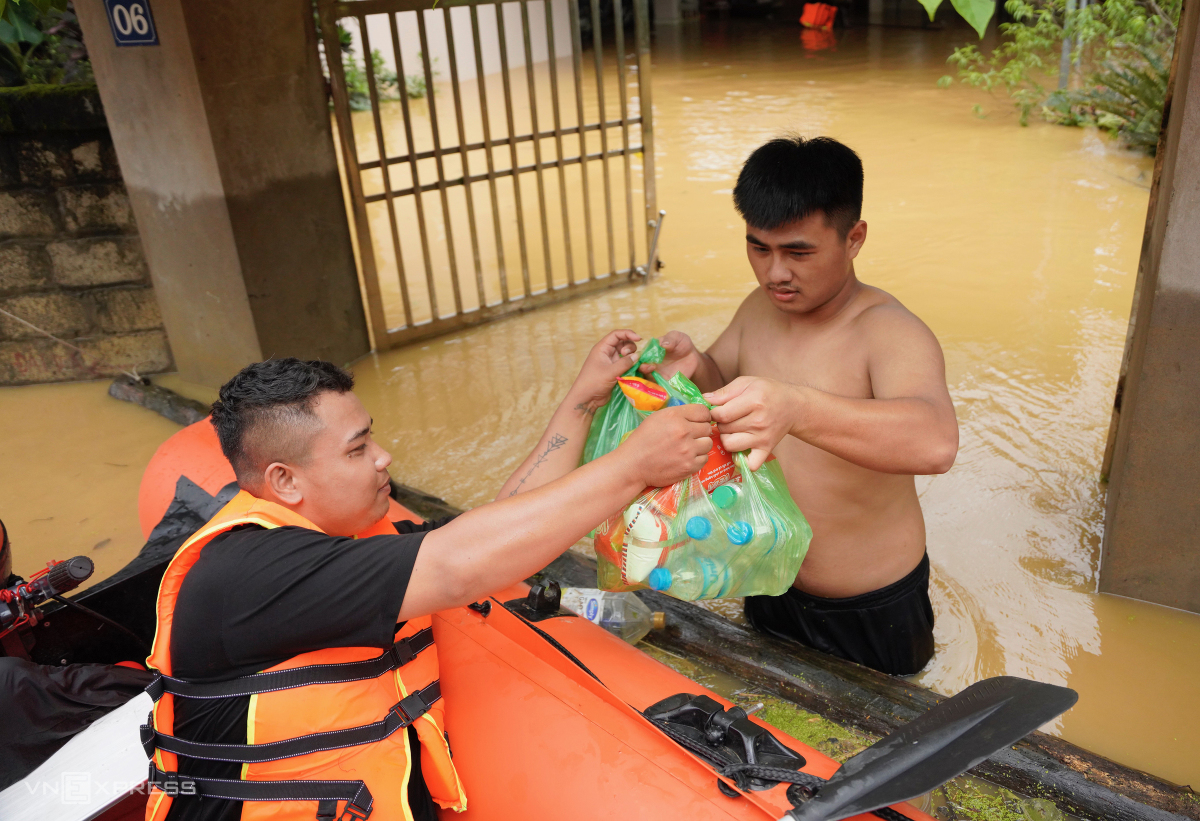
x=931, y=749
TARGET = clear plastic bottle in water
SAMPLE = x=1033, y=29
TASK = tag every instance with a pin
x=621, y=614
x=691, y=578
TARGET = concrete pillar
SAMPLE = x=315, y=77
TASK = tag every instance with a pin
x=223, y=135
x=1151, y=546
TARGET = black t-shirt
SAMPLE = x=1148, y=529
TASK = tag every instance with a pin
x=258, y=597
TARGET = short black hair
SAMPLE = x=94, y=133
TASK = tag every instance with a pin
x=789, y=178
x=265, y=413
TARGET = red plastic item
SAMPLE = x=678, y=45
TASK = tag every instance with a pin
x=818, y=15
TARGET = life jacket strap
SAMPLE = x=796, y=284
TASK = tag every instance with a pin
x=326, y=793
x=402, y=714
x=395, y=657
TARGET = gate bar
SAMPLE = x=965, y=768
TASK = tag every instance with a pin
x=598, y=53
x=481, y=84
x=622, y=95
x=441, y=171
x=645, y=122
x=512, y=146
x=520, y=138
x=507, y=172
x=418, y=201
x=537, y=144
x=462, y=145
x=383, y=170
x=580, y=128
x=552, y=59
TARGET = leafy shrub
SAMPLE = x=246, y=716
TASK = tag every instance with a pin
x=41, y=43
x=387, y=84
x=1120, y=50
x=1123, y=96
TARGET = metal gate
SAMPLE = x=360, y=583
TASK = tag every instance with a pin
x=550, y=210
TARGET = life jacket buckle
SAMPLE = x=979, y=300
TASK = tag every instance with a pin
x=410, y=708
x=147, y=734
x=354, y=812
x=403, y=652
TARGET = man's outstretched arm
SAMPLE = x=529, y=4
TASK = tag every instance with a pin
x=506, y=541
x=907, y=427
x=558, y=451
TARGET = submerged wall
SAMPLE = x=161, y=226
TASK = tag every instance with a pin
x=71, y=261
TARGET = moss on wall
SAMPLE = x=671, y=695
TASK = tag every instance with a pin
x=50, y=108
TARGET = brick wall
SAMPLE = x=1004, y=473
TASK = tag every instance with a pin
x=70, y=259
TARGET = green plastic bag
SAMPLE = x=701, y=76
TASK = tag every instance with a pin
x=618, y=417
x=724, y=531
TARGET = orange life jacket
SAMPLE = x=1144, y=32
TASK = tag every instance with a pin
x=326, y=730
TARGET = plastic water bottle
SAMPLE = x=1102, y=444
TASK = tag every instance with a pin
x=692, y=578
x=621, y=614
x=740, y=532
x=727, y=496
x=704, y=531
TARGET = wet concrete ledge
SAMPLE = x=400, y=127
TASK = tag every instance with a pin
x=1079, y=782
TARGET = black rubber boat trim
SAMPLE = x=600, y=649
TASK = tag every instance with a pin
x=552, y=642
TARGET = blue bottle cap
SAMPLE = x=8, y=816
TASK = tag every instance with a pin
x=660, y=578
x=740, y=532
x=698, y=527
x=724, y=496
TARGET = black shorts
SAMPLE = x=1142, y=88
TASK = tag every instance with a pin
x=889, y=629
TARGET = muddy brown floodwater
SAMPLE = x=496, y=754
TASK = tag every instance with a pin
x=1018, y=246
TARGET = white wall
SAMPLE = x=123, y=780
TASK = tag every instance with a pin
x=379, y=33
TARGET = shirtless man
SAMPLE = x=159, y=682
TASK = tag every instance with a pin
x=848, y=388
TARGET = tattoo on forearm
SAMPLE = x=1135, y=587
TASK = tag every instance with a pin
x=588, y=408
x=556, y=442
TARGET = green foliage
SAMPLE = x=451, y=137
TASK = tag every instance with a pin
x=40, y=42
x=387, y=84
x=976, y=12
x=1120, y=51
x=414, y=85
x=1124, y=96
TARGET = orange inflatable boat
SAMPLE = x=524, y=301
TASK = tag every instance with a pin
x=543, y=711
x=550, y=716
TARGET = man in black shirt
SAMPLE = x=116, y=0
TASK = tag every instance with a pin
x=297, y=436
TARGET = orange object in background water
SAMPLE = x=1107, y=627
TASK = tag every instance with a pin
x=818, y=16
x=642, y=393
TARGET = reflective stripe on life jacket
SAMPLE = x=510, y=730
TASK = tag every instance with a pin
x=326, y=730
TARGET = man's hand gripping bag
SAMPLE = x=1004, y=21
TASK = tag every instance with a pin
x=724, y=531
